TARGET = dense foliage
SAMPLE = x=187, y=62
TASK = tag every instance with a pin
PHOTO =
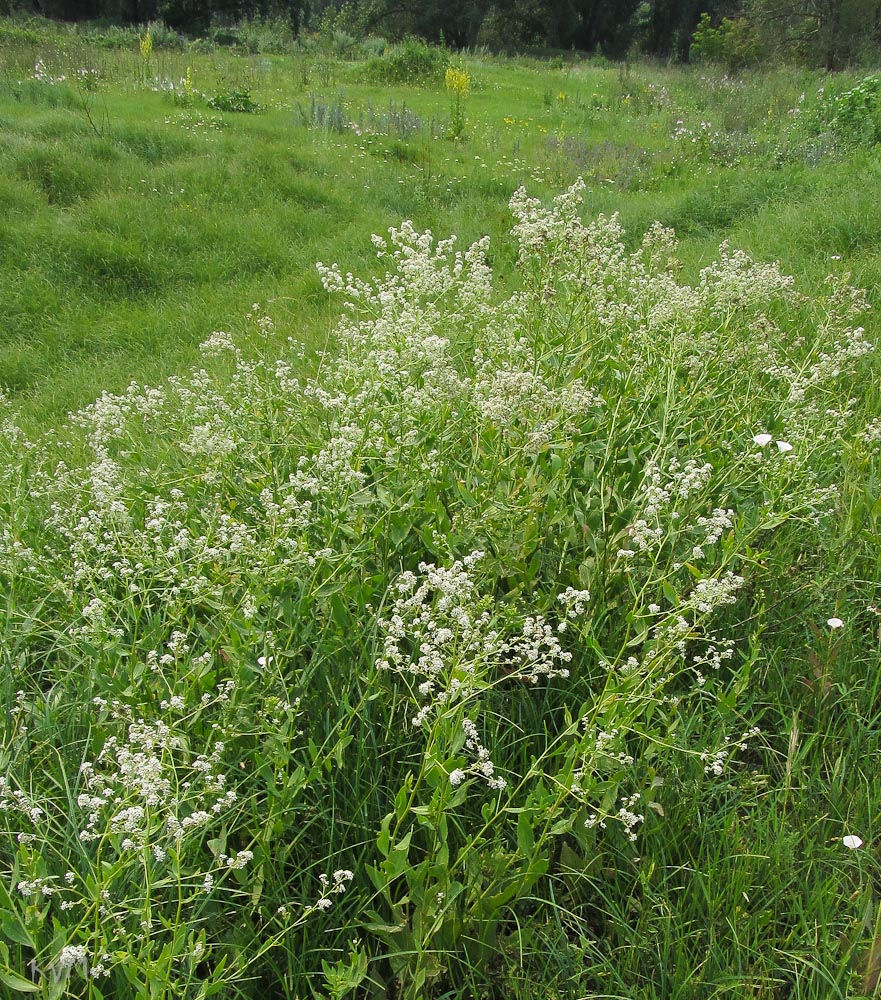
x=738, y=32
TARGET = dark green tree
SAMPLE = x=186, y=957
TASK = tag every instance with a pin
x=668, y=29
x=828, y=33
x=607, y=25
x=189, y=16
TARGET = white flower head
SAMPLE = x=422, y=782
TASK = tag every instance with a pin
x=762, y=439
x=71, y=955
x=852, y=842
x=783, y=447
x=835, y=623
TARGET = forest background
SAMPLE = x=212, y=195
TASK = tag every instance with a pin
x=827, y=33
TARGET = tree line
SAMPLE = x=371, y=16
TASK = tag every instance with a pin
x=833, y=33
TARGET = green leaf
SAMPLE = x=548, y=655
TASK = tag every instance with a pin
x=18, y=983
x=403, y=845
x=342, y=743
x=14, y=930
x=561, y=826
x=399, y=528
x=518, y=885
x=383, y=839
x=401, y=800
x=378, y=925
x=525, y=836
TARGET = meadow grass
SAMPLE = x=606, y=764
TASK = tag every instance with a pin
x=489, y=618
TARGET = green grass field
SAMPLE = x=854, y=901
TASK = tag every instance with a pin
x=437, y=622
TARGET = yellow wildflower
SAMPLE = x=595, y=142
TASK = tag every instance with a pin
x=146, y=45
x=457, y=81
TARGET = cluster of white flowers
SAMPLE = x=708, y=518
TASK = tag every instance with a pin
x=609, y=744
x=524, y=403
x=441, y=632
x=626, y=816
x=214, y=439
x=537, y=227
x=137, y=789
x=482, y=765
x=720, y=521
x=715, y=761
x=334, y=468
x=735, y=281
x=654, y=318
x=438, y=633
x=574, y=601
x=659, y=497
x=70, y=956
x=237, y=861
x=219, y=343
x=714, y=592
x=15, y=800
x=536, y=651
x=341, y=879
x=872, y=433
x=711, y=658
x=36, y=887
x=404, y=364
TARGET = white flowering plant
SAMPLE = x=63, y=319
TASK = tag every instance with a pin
x=127, y=872
x=471, y=607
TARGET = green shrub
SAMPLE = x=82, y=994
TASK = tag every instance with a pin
x=229, y=37
x=115, y=37
x=238, y=101
x=411, y=61
x=734, y=43
x=466, y=619
x=373, y=47
x=14, y=33
x=165, y=37
x=271, y=35
x=856, y=116
x=330, y=116
x=343, y=43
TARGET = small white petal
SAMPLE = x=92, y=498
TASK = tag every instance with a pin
x=784, y=446
x=835, y=623
x=762, y=439
x=852, y=841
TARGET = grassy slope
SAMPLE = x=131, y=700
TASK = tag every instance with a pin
x=125, y=249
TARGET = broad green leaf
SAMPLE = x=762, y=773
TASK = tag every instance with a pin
x=18, y=983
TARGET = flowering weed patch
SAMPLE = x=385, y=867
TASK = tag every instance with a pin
x=437, y=658
x=524, y=642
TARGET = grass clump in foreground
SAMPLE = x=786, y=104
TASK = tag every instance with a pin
x=523, y=650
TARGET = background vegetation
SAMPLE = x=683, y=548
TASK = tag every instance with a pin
x=501, y=624
x=832, y=33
